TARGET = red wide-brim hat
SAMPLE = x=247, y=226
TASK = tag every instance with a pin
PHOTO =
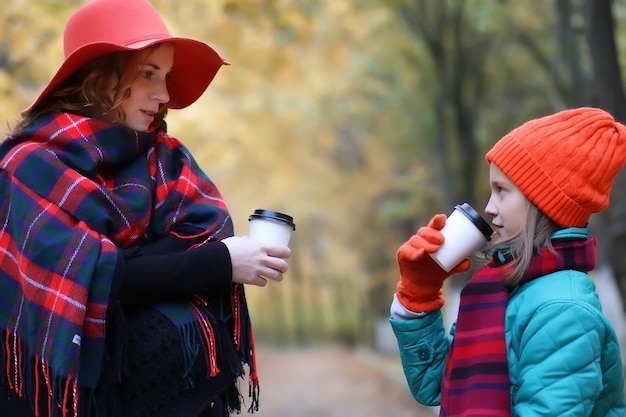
x=104, y=26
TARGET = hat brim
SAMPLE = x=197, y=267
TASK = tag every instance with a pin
x=195, y=66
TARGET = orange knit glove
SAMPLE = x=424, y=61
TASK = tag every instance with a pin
x=421, y=278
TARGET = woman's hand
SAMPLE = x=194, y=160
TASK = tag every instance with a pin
x=255, y=262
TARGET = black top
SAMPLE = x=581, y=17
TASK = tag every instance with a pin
x=166, y=270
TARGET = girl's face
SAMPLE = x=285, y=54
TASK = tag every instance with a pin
x=507, y=205
x=149, y=90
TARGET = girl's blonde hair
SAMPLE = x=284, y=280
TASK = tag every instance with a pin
x=534, y=236
x=89, y=91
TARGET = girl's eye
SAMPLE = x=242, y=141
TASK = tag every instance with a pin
x=498, y=189
x=147, y=74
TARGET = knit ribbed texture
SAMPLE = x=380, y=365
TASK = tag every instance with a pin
x=564, y=163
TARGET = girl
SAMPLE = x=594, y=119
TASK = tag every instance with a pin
x=530, y=337
x=121, y=281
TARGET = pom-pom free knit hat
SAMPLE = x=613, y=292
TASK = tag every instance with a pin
x=104, y=26
x=564, y=163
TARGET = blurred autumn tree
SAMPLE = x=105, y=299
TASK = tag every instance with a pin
x=361, y=118
x=600, y=30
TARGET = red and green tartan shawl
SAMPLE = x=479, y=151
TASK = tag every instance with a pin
x=73, y=191
x=476, y=378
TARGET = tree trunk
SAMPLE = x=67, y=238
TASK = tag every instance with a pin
x=601, y=38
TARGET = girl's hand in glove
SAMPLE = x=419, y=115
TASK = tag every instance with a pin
x=421, y=278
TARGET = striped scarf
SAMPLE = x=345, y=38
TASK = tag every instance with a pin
x=75, y=190
x=476, y=379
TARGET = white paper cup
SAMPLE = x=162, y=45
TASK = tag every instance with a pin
x=270, y=227
x=464, y=233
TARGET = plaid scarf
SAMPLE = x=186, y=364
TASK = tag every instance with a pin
x=476, y=379
x=74, y=190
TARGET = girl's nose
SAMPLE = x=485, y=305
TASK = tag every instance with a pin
x=490, y=209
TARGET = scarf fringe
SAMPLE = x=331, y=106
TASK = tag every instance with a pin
x=32, y=378
x=244, y=341
x=218, y=331
x=208, y=335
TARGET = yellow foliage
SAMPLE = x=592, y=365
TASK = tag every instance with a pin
x=266, y=130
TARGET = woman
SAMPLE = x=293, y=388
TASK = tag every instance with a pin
x=122, y=283
x=530, y=338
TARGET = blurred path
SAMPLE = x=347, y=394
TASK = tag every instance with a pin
x=333, y=382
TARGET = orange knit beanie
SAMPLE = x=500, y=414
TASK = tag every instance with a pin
x=564, y=163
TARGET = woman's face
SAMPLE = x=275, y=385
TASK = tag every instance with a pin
x=508, y=206
x=149, y=90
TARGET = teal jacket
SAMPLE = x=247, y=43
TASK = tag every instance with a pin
x=563, y=354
